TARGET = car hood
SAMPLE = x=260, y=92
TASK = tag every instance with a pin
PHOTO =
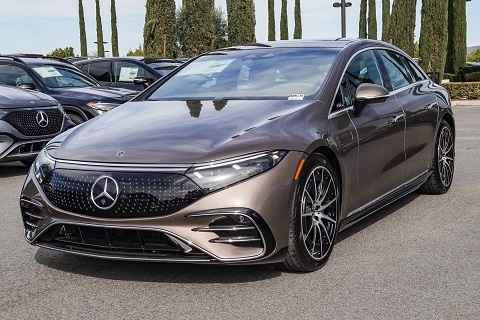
x=17, y=98
x=96, y=93
x=171, y=132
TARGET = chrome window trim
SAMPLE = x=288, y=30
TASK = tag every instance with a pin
x=350, y=60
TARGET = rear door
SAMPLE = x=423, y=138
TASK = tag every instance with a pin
x=411, y=88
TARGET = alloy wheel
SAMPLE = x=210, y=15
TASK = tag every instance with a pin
x=445, y=156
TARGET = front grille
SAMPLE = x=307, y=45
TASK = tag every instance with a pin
x=25, y=121
x=139, y=194
x=117, y=242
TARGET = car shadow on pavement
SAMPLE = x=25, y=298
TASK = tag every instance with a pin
x=153, y=271
x=376, y=216
x=13, y=169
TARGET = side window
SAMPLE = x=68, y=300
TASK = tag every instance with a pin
x=13, y=75
x=417, y=75
x=100, y=70
x=84, y=67
x=124, y=71
x=397, y=70
x=362, y=69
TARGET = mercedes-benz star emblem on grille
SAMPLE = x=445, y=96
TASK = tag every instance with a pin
x=104, y=192
x=120, y=154
x=42, y=119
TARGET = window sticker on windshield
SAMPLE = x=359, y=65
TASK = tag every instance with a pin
x=205, y=67
x=47, y=72
x=296, y=96
x=127, y=74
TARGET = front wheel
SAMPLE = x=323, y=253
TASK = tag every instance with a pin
x=315, y=216
x=443, y=162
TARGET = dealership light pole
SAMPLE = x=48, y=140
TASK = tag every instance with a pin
x=343, y=5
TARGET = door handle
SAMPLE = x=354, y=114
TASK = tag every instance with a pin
x=397, y=118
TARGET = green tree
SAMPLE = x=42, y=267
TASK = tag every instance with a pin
x=457, y=36
x=271, y=20
x=136, y=53
x=241, y=22
x=62, y=53
x=113, y=21
x=433, y=35
x=372, y=20
x=196, y=30
x=474, y=56
x=402, y=25
x=362, y=24
x=297, y=33
x=100, y=47
x=160, y=31
x=385, y=19
x=83, y=34
x=284, y=21
x=221, y=28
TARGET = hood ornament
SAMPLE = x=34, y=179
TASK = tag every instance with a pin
x=120, y=154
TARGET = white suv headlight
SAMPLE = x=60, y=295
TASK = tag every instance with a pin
x=43, y=165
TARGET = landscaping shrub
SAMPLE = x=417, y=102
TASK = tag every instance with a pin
x=463, y=90
x=450, y=76
x=473, y=77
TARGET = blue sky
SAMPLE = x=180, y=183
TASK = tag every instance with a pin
x=39, y=26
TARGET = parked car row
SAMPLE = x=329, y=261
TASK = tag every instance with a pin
x=52, y=95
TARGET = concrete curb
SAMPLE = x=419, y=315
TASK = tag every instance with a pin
x=465, y=103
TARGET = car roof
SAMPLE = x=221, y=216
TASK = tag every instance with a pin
x=130, y=58
x=32, y=60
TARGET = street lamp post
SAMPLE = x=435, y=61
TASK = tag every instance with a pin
x=343, y=5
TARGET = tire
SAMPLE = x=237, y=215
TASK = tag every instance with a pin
x=75, y=119
x=305, y=252
x=443, y=164
x=28, y=162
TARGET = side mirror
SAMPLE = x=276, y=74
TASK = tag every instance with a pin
x=142, y=80
x=27, y=85
x=368, y=93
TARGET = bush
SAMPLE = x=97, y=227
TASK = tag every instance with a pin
x=450, y=76
x=463, y=90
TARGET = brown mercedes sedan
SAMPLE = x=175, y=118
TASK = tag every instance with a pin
x=251, y=154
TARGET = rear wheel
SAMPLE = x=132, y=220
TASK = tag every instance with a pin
x=443, y=162
x=315, y=217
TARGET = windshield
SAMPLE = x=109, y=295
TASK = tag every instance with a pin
x=275, y=73
x=163, y=67
x=57, y=76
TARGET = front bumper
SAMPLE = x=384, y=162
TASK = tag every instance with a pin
x=245, y=223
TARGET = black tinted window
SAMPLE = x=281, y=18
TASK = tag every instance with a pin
x=13, y=75
x=100, y=70
x=397, y=70
x=413, y=67
x=362, y=69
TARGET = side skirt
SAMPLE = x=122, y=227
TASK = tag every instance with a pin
x=384, y=201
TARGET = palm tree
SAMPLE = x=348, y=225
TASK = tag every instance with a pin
x=83, y=34
x=113, y=21
x=297, y=34
x=100, y=47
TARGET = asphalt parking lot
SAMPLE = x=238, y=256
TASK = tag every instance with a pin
x=416, y=259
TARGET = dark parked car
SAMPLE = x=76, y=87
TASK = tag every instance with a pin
x=28, y=120
x=256, y=154
x=131, y=73
x=81, y=96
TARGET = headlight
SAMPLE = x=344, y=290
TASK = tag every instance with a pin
x=217, y=175
x=102, y=106
x=43, y=165
x=60, y=108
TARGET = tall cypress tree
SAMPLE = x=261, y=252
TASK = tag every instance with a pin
x=284, y=21
x=113, y=21
x=160, y=28
x=100, y=47
x=197, y=26
x=362, y=24
x=434, y=35
x=271, y=20
x=457, y=36
x=402, y=25
x=372, y=20
x=83, y=34
x=385, y=19
x=297, y=34
x=241, y=22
